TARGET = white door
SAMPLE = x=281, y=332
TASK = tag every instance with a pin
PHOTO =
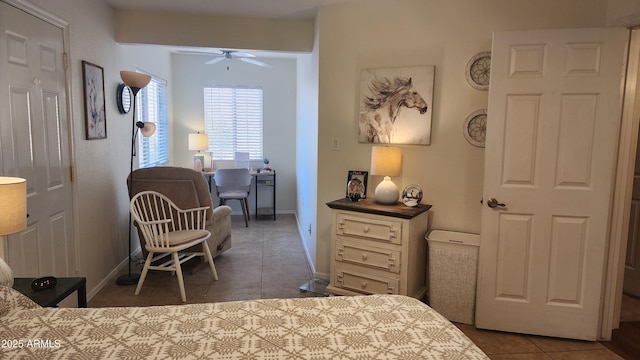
x=34, y=138
x=554, y=117
x=632, y=260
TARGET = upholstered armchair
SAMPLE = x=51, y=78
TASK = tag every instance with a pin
x=187, y=188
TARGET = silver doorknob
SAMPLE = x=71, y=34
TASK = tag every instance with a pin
x=493, y=203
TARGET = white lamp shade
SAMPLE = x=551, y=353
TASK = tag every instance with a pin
x=13, y=212
x=135, y=79
x=385, y=160
x=198, y=142
x=148, y=129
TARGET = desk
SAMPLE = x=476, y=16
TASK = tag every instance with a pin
x=51, y=297
x=261, y=180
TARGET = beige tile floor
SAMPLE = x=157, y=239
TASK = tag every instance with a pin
x=267, y=261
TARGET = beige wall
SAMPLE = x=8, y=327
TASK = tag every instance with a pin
x=623, y=13
x=412, y=33
x=144, y=27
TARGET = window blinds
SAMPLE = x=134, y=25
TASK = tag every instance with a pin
x=152, y=107
x=233, y=121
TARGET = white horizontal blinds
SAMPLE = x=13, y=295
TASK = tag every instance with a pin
x=233, y=121
x=154, y=150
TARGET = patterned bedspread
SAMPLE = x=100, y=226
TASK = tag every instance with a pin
x=354, y=327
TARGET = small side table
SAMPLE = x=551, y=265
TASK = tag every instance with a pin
x=266, y=179
x=51, y=297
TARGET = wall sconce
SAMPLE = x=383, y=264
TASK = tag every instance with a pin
x=386, y=161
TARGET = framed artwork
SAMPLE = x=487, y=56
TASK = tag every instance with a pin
x=94, y=102
x=357, y=185
x=396, y=105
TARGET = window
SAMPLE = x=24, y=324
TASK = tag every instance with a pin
x=152, y=107
x=233, y=121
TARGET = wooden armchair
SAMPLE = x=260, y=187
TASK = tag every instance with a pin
x=168, y=231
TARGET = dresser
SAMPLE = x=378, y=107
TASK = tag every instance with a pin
x=378, y=249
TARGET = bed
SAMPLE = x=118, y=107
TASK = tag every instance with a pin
x=349, y=327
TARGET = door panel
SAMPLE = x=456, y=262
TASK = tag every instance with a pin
x=554, y=113
x=34, y=139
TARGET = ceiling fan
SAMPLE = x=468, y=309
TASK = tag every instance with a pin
x=228, y=55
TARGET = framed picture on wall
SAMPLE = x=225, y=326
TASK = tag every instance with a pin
x=396, y=105
x=94, y=102
x=357, y=185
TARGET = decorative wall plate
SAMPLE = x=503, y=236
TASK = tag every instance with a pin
x=475, y=128
x=479, y=70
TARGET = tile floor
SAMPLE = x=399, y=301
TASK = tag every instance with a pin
x=267, y=260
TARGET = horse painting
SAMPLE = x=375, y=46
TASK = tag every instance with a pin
x=382, y=106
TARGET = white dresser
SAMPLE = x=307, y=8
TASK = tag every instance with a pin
x=378, y=249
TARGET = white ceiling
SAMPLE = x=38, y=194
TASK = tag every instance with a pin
x=283, y=9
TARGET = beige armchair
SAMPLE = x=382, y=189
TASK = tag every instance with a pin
x=187, y=188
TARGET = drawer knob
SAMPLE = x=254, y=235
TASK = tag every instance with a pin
x=366, y=229
x=364, y=257
x=364, y=285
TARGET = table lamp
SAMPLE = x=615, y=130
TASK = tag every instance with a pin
x=13, y=216
x=386, y=161
x=198, y=142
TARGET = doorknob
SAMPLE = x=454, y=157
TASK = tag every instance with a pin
x=493, y=203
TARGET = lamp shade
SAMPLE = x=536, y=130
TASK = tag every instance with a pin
x=13, y=212
x=385, y=160
x=198, y=142
x=148, y=129
x=135, y=79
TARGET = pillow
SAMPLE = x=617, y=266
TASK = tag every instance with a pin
x=11, y=299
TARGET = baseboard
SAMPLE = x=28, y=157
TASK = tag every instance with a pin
x=111, y=276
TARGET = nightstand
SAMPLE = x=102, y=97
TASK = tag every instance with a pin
x=378, y=249
x=51, y=297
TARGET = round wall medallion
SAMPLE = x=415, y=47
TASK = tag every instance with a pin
x=123, y=98
x=475, y=128
x=479, y=70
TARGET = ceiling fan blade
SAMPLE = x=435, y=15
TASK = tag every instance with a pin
x=197, y=52
x=214, y=60
x=254, y=62
x=240, y=54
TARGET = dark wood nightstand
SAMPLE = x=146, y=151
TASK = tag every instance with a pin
x=51, y=297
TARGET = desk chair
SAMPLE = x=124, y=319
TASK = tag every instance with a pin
x=234, y=184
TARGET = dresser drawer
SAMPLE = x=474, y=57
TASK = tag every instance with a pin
x=382, y=259
x=365, y=283
x=380, y=230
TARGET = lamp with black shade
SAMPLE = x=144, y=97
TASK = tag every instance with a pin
x=136, y=81
x=13, y=216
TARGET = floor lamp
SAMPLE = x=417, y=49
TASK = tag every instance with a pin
x=135, y=81
x=13, y=216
